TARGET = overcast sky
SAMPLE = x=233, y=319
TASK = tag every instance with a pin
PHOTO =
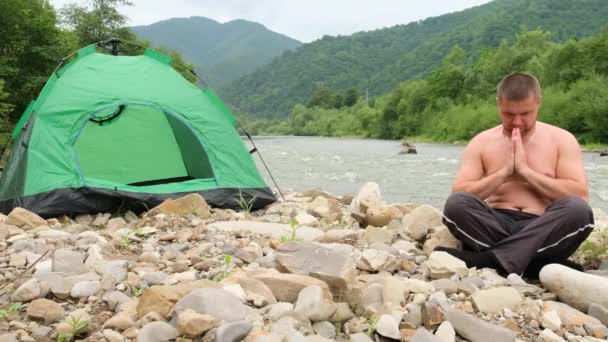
x=305, y=20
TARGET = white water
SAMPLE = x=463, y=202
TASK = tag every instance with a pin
x=342, y=165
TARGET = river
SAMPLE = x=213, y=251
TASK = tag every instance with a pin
x=341, y=166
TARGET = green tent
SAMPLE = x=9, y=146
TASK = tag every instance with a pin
x=111, y=132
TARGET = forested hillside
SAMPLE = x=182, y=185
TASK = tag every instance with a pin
x=378, y=60
x=458, y=100
x=221, y=52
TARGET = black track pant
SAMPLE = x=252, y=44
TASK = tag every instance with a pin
x=515, y=237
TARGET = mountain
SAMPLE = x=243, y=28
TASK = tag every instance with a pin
x=221, y=52
x=378, y=60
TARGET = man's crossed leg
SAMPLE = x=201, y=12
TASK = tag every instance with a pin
x=512, y=241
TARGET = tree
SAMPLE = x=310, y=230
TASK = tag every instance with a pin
x=31, y=46
x=99, y=21
x=5, y=109
x=351, y=97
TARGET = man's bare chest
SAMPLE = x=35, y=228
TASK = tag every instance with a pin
x=541, y=157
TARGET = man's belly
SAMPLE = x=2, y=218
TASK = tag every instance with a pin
x=517, y=195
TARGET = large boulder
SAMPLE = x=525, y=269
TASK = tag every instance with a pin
x=324, y=207
x=418, y=223
x=23, y=218
x=477, y=330
x=575, y=288
x=286, y=287
x=332, y=263
x=496, y=299
x=444, y=265
x=367, y=197
x=217, y=303
x=192, y=204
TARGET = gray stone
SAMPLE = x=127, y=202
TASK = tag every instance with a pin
x=423, y=335
x=376, y=261
x=332, y=263
x=549, y=336
x=598, y=312
x=360, y=337
x=550, y=320
x=420, y=220
x=446, y=285
x=444, y=265
x=69, y=262
x=233, y=332
x=54, y=235
x=367, y=197
x=287, y=287
x=256, y=291
x=445, y=332
x=8, y=338
x=193, y=324
x=394, y=292
x=575, y=288
x=120, y=321
x=112, y=336
x=85, y=288
x=388, y=327
x=278, y=310
x=45, y=310
x=477, y=330
x=312, y=305
x=41, y=332
x=325, y=329
x=117, y=268
x=378, y=235
x=341, y=236
x=155, y=278
x=28, y=291
x=291, y=328
x=157, y=332
x=61, y=286
x=276, y=230
x=569, y=316
x=23, y=218
x=115, y=298
x=495, y=299
x=414, y=314
x=218, y=303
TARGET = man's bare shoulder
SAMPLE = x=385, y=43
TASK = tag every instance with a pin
x=559, y=136
x=486, y=136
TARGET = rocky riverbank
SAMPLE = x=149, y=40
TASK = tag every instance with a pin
x=317, y=267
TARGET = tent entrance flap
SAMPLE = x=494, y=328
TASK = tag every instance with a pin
x=139, y=145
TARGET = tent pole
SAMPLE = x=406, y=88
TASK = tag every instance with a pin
x=262, y=159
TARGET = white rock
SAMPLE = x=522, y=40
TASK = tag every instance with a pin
x=367, y=197
x=85, y=289
x=496, y=299
x=420, y=220
x=375, y=260
x=388, y=327
x=575, y=288
x=446, y=332
x=312, y=304
x=306, y=219
x=550, y=320
x=444, y=265
x=549, y=336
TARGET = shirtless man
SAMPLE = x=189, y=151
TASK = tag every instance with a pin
x=520, y=197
